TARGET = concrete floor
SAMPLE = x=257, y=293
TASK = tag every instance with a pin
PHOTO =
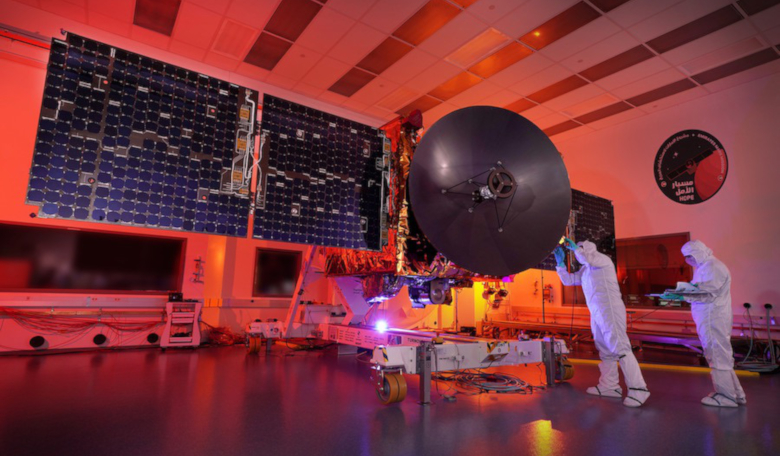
x=218, y=401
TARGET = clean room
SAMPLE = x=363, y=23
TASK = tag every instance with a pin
x=382, y=227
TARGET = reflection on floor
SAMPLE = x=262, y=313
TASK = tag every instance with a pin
x=216, y=401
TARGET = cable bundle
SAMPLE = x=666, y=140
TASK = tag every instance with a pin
x=477, y=382
x=54, y=324
x=222, y=335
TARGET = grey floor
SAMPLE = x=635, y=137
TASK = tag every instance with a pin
x=218, y=401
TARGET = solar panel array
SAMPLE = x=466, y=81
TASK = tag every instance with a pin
x=126, y=139
x=321, y=178
x=593, y=220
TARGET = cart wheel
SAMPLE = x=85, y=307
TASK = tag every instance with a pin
x=252, y=345
x=393, y=389
x=568, y=371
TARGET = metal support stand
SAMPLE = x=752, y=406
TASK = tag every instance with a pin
x=424, y=353
x=269, y=343
x=548, y=357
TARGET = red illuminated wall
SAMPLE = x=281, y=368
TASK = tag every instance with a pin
x=229, y=262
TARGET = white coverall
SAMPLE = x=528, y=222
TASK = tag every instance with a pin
x=713, y=316
x=607, y=317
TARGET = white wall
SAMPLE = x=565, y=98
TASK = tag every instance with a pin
x=741, y=223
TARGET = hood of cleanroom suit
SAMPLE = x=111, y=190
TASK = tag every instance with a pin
x=700, y=252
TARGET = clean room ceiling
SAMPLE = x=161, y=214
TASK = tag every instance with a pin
x=567, y=65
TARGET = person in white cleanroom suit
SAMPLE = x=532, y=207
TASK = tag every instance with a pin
x=713, y=316
x=607, y=321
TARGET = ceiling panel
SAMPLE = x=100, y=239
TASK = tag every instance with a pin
x=637, y=11
x=561, y=127
x=617, y=63
x=291, y=18
x=234, y=39
x=616, y=119
x=561, y=25
x=409, y=66
x=156, y=15
x=501, y=98
x=559, y=88
x=196, y=26
x=606, y=6
x=326, y=72
x=752, y=7
x=542, y=79
x=375, y=90
x=520, y=105
x=146, y=36
x=522, y=70
x=724, y=37
x=722, y=56
x=398, y=99
x=109, y=24
x=332, y=98
x=433, y=115
x=674, y=100
x=220, y=61
x=768, y=18
x=297, y=61
x=356, y=44
x=252, y=12
x=601, y=51
x=479, y=47
x=308, y=90
x=736, y=66
x=745, y=76
x=581, y=39
x=560, y=138
x=574, y=97
x=551, y=120
x=606, y=111
x=352, y=8
x=676, y=16
x=454, y=86
x=387, y=53
x=634, y=73
x=535, y=113
x=325, y=30
x=475, y=95
x=662, y=92
x=351, y=82
x=438, y=73
x=423, y=103
x=502, y=59
x=187, y=50
x=453, y=35
x=121, y=10
x=491, y=11
x=267, y=51
x=590, y=105
x=530, y=15
x=387, y=15
x=426, y=21
x=695, y=29
x=380, y=113
x=250, y=71
x=218, y=6
x=649, y=83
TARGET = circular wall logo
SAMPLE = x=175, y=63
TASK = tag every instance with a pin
x=691, y=167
